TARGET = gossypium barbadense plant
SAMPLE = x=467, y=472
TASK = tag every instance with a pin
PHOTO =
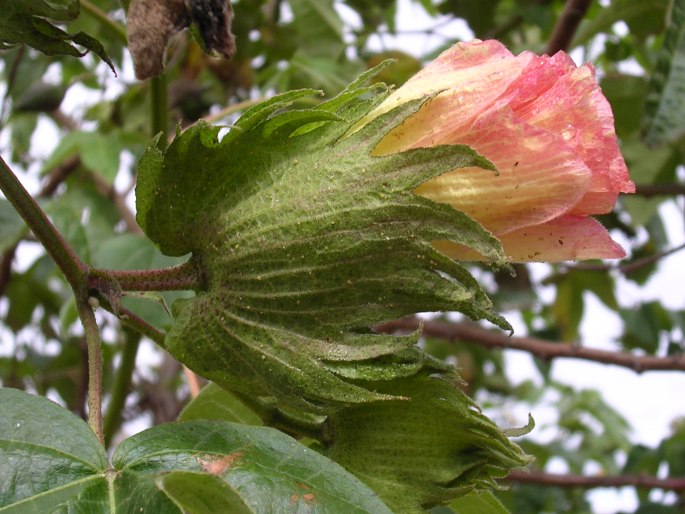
x=308, y=226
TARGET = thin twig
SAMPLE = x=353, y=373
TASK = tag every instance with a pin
x=650, y=190
x=133, y=321
x=589, y=482
x=545, y=350
x=567, y=24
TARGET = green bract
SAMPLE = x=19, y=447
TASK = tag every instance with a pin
x=305, y=241
x=422, y=452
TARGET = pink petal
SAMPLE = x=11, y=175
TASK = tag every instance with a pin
x=540, y=178
x=575, y=107
x=566, y=238
x=472, y=77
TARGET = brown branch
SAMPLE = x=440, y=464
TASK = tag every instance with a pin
x=650, y=190
x=545, y=350
x=567, y=24
x=109, y=191
x=58, y=175
x=589, y=482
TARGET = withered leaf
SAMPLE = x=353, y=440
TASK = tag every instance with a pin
x=152, y=23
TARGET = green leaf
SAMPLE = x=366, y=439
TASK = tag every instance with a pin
x=665, y=101
x=269, y=470
x=647, y=166
x=626, y=95
x=216, y=403
x=568, y=308
x=306, y=242
x=47, y=454
x=319, y=27
x=28, y=22
x=50, y=462
x=99, y=152
x=644, y=325
x=198, y=493
x=26, y=291
x=12, y=226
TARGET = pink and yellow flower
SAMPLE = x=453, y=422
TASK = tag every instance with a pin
x=544, y=123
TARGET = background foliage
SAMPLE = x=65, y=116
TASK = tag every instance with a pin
x=77, y=131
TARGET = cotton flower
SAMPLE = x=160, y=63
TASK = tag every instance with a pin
x=549, y=130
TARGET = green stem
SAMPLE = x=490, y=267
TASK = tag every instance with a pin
x=160, y=114
x=122, y=383
x=183, y=277
x=133, y=321
x=92, y=334
x=97, y=13
x=73, y=268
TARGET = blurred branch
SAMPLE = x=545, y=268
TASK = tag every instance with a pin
x=55, y=178
x=567, y=24
x=649, y=190
x=63, y=120
x=546, y=350
x=11, y=77
x=588, y=482
x=119, y=200
x=54, y=243
x=161, y=396
x=58, y=175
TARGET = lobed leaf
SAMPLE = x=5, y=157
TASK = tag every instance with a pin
x=50, y=462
